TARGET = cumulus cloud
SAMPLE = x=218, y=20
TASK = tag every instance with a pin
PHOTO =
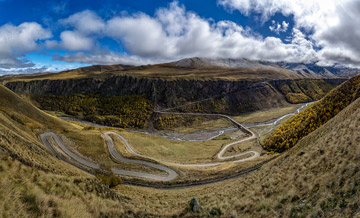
x=83, y=29
x=141, y=34
x=277, y=27
x=332, y=25
x=86, y=22
x=75, y=41
x=15, y=41
x=174, y=33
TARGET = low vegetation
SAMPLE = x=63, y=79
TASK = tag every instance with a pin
x=319, y=177
x=303, y=90
x=169, y=121
x=110, y=180
x=299, y=126
x=131, y=111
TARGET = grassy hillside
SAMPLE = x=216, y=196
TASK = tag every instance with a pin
x=303, y=90
x=163, y=71
x=297, y=127
x=319, y=177
x=33, y=182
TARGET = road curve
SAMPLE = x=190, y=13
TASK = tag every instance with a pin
x=114, y=154
x=171, y=174
x=221, y=153
x=220, y=156
x=118, y=158
x=71, y=154
x=157, y=186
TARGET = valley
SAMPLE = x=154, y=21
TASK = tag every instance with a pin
x=156, y=143
x=179, y=109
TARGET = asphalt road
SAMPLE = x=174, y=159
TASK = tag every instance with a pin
x=171, y=174
x=68, y=152
x=117, y=157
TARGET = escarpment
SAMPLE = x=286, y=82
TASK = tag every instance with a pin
x=229, y=97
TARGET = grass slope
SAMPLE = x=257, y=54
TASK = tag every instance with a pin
x=297, y=127
x=320, y=177
x=164, y=71
x=33, y=182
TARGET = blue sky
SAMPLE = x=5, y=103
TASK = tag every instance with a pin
x=56, y=35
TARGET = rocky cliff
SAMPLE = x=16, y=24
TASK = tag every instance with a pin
x=224, y=96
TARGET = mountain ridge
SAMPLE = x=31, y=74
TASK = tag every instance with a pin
x=201, y=68
x=318, y=177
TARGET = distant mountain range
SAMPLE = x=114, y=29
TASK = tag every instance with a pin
x=203, y=68
x=304, y=69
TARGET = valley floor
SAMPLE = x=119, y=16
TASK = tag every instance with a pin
x=239, y=150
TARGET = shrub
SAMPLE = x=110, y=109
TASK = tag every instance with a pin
x=31, y=201
x=305, y=122
x=303, y=90
x=110, y=180
x=122, y=111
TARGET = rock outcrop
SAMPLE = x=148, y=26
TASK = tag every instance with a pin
x=231, y=97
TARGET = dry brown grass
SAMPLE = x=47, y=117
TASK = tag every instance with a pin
x=28, y=192
x=164, y=71
x=175, y=151
x=266, y=115
x=319, y=177
x=202, y=125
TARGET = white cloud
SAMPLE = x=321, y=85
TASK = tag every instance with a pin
x=85, y=22
x=175, y=33
x=23, y=70
x=74, y=41
x=7, y=63
x=333, y=24
x=15, y=41
x=141, y=35
x=85, y=26
x=277, y=27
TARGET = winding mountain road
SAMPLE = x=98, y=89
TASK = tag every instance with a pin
x=220, y=156
x=171, y=174
x=118, y=158
x=68, y=152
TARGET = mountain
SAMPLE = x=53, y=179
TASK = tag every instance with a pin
x=220, y=63
x=303, y=123
x=318, y=177
x=312, y=69
x=200, y=69
x=229, y=86
x=73, y=96
x=306, y=70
